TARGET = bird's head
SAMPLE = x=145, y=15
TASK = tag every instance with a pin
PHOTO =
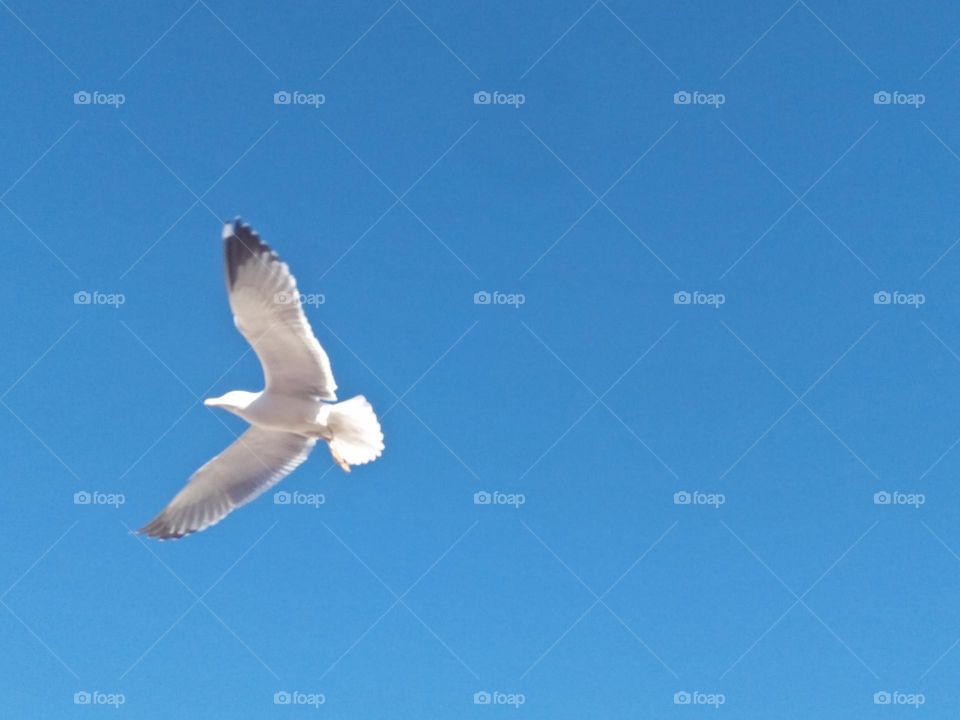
x=234, y=401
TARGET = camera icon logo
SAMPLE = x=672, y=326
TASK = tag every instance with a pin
x=682, y=98
x=682, y=498
x=682, y=697
x=82, y=498
x=482, y=298
x=284, y=298
x=282, y=97
x=281, y=497
x=882, y=98
x=482, y=498
x=882, y=498
x=881, y=297
x=82, y=97
x=82, y=298
x=82, y=698
x=682, y=297
x=482, y=697
x=282, y=697
x=881, y=698
x=482, y=98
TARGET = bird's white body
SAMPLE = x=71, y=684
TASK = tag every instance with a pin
x=287, y=413
x=296, y=408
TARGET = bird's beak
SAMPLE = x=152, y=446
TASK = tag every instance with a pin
x=210, y=402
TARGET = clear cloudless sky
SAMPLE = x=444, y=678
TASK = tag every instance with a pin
x=782, y=397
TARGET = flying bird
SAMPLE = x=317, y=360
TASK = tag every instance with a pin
x=296, y=408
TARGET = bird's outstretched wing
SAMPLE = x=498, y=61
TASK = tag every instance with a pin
x=266, y=309
x=252, y=463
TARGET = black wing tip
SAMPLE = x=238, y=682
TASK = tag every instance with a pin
x=159, y=529
x=241, y=244
x=236, y=231
x=236, y=227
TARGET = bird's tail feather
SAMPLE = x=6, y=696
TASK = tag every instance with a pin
x=355, y=431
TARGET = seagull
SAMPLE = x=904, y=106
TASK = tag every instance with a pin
x=296, y=408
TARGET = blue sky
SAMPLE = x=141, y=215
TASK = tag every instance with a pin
x=747, y=301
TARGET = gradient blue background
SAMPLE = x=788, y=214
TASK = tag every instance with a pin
x=799, y=597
